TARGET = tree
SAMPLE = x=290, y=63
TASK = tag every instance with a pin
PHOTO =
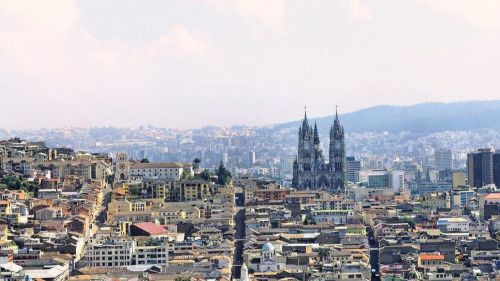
x=204, y=175
x=186, y=175
x=14, y=182
x=324, y=254
x=196, y=163
x=223, y=175
x=144, y=160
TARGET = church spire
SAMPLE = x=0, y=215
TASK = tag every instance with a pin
x=305, y=123
x=305, y=129
x=316, y=135
x=336, y=128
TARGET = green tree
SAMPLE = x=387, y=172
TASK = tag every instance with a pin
x=186, y=175
x=223, y=175
x=196, y=163
x=323, y=254
x=144, y=160
x=204, y=175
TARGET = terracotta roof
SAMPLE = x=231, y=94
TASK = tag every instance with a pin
x=431, y=256
x=151, y=228
x=492, y=196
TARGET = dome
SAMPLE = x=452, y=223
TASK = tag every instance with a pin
x=268, y=247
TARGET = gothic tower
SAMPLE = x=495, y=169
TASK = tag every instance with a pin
x=306, y=150
x=337, y=155
x=310, y=169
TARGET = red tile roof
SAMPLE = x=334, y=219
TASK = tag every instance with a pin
x=432, y=256
x=493, y=196
x=151, y=228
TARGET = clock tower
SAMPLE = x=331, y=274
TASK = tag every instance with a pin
x=122, y=167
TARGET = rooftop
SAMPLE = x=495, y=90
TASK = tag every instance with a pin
x=151, y=228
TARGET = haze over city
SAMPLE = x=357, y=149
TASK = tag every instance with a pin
x=188, y=64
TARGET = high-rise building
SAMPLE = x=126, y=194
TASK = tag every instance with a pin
x=443, y=159
x=496, y=168
x=310, y=170
x=375, y=178
x=251, y=158
x=398, y=180
x=458, y=179
x=352, y=169
x=480, y=167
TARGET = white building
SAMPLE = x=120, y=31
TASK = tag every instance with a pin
x=123, y=253
x=268, y=259
x=453, y=224
x=160, y=171
x=110, y=253
x=336, y=216
x=398, y=180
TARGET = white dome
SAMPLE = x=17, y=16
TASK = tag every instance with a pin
x=268, y=247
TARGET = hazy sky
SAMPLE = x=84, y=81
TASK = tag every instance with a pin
x=185, y=64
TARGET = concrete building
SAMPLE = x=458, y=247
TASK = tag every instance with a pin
x=458, y=179
x=160, y=171
x=380, y=178
x=443, y=159
x=352, y=169
x=397, y=180
x=480, y=167
x=453, y=225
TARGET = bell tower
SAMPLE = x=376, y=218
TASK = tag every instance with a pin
x=122, y=167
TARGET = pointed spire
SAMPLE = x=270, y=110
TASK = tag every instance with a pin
x=336, y=112
x=306, y=129
x=316, y=135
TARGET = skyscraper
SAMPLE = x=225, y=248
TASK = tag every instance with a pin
x=496, y=168
x=480, y=167
x=352, y=169
x=443, y=159
x=310, y=170
x=251, y=158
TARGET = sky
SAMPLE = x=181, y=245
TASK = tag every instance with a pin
x=188, y=64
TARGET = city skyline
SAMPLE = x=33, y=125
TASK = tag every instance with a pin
x=130, y=63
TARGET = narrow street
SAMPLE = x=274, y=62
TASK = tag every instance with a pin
x=374, y=258
x=101, y=216
x=239, y=236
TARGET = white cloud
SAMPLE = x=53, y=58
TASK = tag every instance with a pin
x=179, y=42
x=269, y=13
x=484, y=14
x=357, y=10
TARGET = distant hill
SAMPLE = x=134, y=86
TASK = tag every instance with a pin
x=419, y=118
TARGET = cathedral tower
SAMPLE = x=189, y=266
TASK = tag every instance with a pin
x=310, y=169
x=337, y=155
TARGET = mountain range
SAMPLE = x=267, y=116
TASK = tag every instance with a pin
x=419, y=118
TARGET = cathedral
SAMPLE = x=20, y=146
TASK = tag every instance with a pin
x=310, y=170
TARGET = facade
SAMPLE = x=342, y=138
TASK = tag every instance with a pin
x=352, y=169
x=110, y=253
x=122, y=167
x=122, y=253
x=398, y=180
x=310, y=169
x=496, y=168
x=443, y=159
x=480, y=167
x=453, y=225
x=160, y=171
x=375, y=178
x=268, y=259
